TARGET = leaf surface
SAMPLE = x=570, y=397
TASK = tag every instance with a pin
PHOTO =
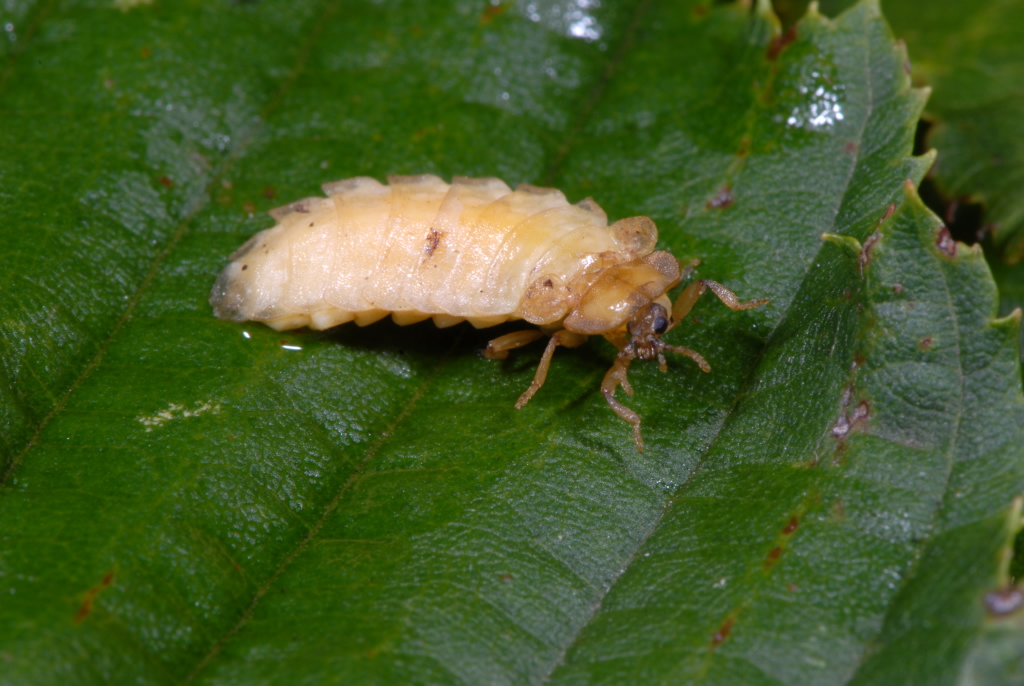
x=970, y=54
x=189, y=500
x=973, y=58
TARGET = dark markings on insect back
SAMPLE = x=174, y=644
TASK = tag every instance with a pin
x=433, y=240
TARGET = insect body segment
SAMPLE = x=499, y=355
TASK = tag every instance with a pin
x=473, y=250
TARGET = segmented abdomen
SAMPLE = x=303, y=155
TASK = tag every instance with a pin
x=418, y=248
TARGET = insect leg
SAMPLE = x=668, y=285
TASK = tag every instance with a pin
x=616, y=377
x=730, y=299
x=692, y=354
x=684, y=303
x=499, y=347
x=563, y=337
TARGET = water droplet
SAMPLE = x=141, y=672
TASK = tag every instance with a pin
x=821, y=109
x=572, y=18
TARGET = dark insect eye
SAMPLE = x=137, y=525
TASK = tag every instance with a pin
x=660, y=325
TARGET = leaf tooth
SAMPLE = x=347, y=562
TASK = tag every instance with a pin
x=920, y=164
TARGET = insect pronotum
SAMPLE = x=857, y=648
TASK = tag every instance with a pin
x=477, y=251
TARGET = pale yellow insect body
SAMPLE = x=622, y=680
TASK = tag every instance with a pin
x=473, y=250
x=419, y=248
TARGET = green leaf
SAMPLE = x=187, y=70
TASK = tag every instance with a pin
x=1010, y=282
x=975, y=64
x=186, y=499
x=970, y=55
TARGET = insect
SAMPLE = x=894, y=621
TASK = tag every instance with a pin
x=477, y=251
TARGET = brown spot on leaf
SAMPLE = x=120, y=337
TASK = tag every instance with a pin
x=897, y=288
x=269, y=192
x=842, y=424
x=249, y=208
x=794, y=522
x=700, y=10
x=851, y=147
x=838, y=510
x=865, y=254
x=507, y=578
x=722, y=199
x=723, y=631
x=145, y=53
x=841, y=427
x=773, y=556
x=780, y=42
x=945, y=242
x=791, y=587
x=925, y=343
x=861, y=413
x=90, y=596
x=166, y=182
x=888, y=212
x=1005, y=601
x=493, y=11
x=848, y=420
